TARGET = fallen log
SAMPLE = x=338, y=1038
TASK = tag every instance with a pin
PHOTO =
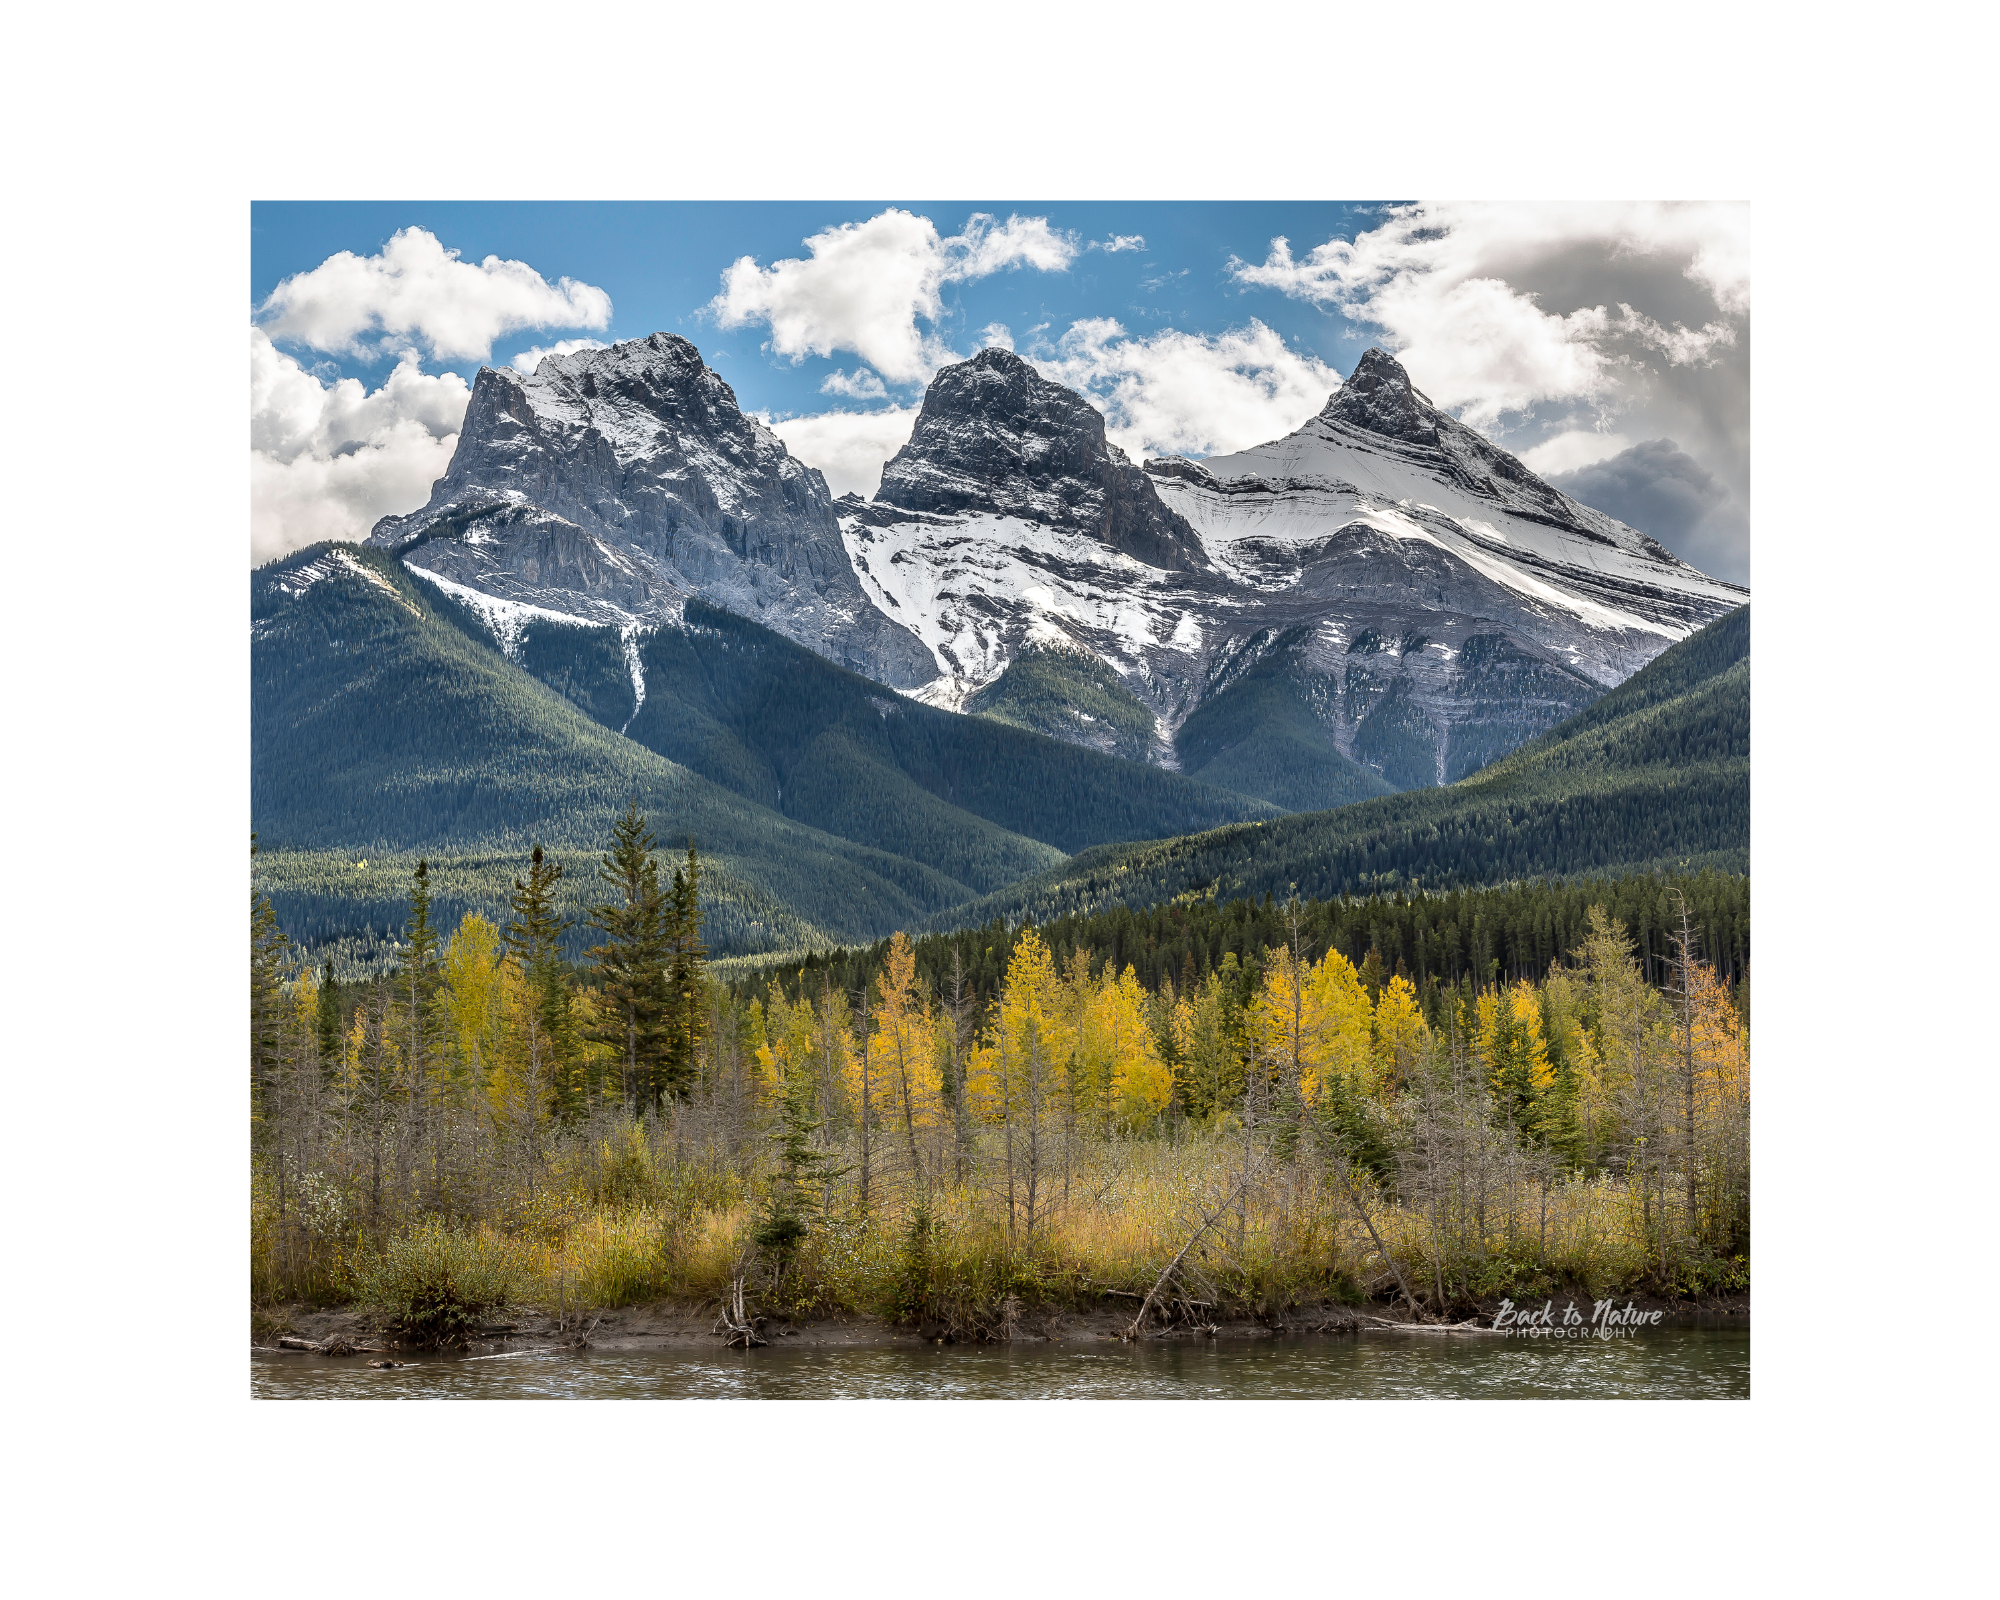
x=1208, y=1221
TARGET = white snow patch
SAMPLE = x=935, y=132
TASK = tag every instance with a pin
x=504, y=619
x=336, y=563
x=628, y=640
x=947, y=581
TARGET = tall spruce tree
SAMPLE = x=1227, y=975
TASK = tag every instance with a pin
x=630, y=965
x=420, y=966
x=534, y=935
x=687, y=970
x=327, y=1023
x=268, y=945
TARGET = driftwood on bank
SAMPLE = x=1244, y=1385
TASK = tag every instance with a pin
x=741, y=1328
x=336, y=1346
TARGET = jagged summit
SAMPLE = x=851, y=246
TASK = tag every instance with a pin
x=1380, y=398
x=995, y=436
x=610, y=484
x=1383, y=586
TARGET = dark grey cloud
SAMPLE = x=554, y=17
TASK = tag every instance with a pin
x=1656, y=487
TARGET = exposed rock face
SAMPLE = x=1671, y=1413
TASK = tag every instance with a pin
x=612, y=483
x=1380, y=398
x=995, y=436
x=1428, y=598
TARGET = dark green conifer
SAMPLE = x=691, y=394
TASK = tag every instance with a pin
x=687, y=972
x=1371, y=975
x=630, y=965
x=326, y=1024
x=534, y=936
x=268, y=945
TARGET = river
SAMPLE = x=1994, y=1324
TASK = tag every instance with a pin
x=1689, y=1362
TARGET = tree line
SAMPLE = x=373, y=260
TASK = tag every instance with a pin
x=842, y=1137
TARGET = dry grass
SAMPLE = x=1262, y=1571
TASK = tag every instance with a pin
x=626, y=1218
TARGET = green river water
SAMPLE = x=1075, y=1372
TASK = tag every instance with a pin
x=1686, y=1362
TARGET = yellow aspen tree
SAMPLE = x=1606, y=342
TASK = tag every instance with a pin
x=1311, y=1024
x=470, y=996
x=1281, y=1025
x=787, y=1044
x=1140, y=1083
x=1401, y=1036
x=835, y=1062
x=1089, y=1089
x=1722, y=1051
x=1343, y=1027
x=1018, y=1074
x=522, y=1084
x=903, y=1050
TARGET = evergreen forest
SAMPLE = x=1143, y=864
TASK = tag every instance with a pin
x=1424, y=1100
x=591, y=971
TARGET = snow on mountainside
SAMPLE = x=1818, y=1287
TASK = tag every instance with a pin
x=611, y=484
x=1382, y=587
x=1428, y=599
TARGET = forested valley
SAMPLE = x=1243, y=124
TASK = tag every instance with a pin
x=1191, y=1111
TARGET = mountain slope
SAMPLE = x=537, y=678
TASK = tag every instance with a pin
x=1262, y=736
x=1656, y=773
x=767, y=719
x=1430, y=602
x=1434, y=603
x=381, y=724
x=1070, y=694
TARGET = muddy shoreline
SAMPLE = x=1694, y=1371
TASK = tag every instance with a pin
x=670, y=1326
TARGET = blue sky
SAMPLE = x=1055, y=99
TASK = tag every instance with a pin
x=1606, y=344
x=663, y=263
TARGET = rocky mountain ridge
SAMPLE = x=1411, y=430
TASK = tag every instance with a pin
x=610, y=484
x=1417, y=593
x=1381, y=598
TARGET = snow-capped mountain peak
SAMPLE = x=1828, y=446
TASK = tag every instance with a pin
x=610, y=484
x=994, y=436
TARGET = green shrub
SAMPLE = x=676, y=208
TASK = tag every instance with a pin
x=439, y=1283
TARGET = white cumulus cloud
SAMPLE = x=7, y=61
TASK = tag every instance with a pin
x=866, y=286
x=328, y=460
x=848, y=446
x=996, y=336
x=1173, y=393
x=1567, y=451
x=528, y=360
x=863, y=385
x=1453, y=288
x=1119, y=241
x=416, y=294
x=1554, y=327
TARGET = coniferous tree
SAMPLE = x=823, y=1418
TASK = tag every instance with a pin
x=534, y=937
x=326, y=1022
x=420, y=975
x=687, y=968
x=267, y=958
x=630, y=965
x=1372, y=977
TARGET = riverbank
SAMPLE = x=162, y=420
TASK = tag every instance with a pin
x=667, y=1325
